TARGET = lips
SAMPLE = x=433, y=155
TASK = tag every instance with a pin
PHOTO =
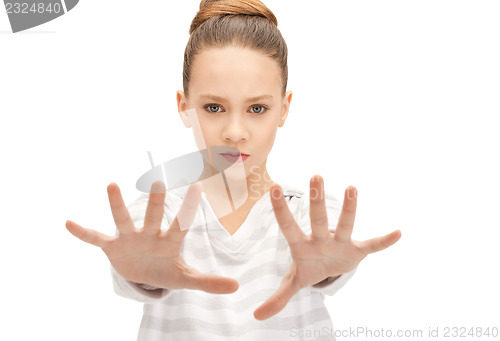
x=235, y=154
x=235, y=157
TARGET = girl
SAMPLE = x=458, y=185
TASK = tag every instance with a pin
x=267, y=264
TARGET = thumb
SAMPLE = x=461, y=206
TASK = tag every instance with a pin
x=88, y=235
x=279, y=300
x=211, y=283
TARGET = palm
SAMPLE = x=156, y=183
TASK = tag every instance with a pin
x=149, y=255
x=146, y=258
x=321, y=254
x=312, y=259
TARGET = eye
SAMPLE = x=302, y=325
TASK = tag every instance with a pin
x=209, y=107
x=263, y=107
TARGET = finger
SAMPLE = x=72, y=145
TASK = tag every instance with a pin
x=211, y=283
x=179, y=228
x=346, y=220
x=284, y=217
x=121, y=216
x=317, y=208
x=87, y=235
x=155, y=209
x=380, y=243
x=278, y=301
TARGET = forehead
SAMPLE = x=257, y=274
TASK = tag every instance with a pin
x=233, y=71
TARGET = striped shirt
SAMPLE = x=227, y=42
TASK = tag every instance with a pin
x=257, y=255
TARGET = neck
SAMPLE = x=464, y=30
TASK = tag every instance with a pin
x=236, y=188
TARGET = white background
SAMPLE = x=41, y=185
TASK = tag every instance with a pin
x=398, y=98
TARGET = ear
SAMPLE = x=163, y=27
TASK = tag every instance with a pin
x=182, y=106
x=286, y=107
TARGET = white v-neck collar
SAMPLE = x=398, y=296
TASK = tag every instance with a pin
x=221, y=237
x=218, y=234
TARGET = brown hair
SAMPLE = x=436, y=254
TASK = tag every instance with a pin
x=244, y=23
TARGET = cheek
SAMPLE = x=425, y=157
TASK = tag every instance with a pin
x=200, y=136
x=265, y=139
x=208, y=129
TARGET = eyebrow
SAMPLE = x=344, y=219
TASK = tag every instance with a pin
x=251, y=99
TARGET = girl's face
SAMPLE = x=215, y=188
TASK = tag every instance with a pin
x=236, y=94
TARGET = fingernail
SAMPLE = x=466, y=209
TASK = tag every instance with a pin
x=352, y=193
x=276, y=193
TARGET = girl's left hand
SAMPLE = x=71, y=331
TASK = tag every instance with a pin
x=321, y=254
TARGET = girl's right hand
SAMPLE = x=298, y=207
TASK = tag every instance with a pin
x=150, y=255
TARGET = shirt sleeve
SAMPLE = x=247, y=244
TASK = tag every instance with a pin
x=333, y=285
x=137, y=291
x=333, y=209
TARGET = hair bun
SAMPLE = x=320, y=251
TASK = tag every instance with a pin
x=210, y=8
x=206, y=2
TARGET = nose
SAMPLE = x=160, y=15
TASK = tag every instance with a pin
x=235, y=129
